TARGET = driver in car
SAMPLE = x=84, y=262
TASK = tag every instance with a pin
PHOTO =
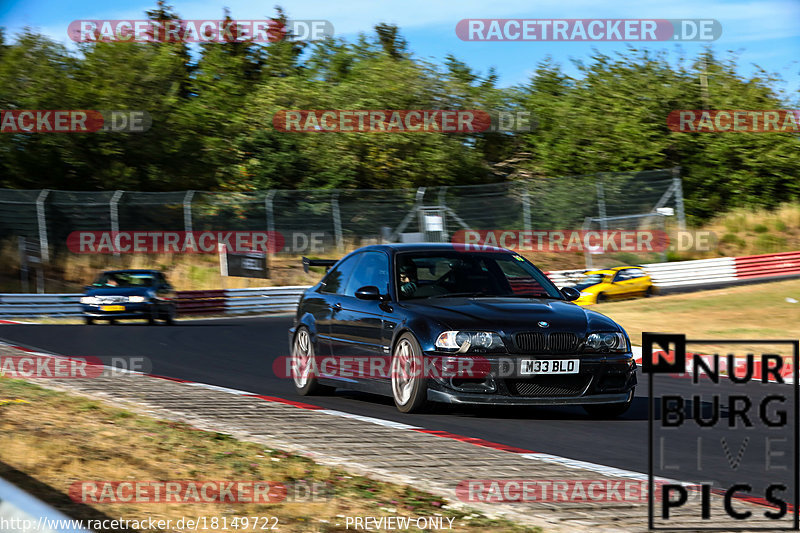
x=408, y=279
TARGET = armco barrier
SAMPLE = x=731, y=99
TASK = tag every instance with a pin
x=40, y=304
x=270, y=299
x=770, y=265
x=667, y=277
x=200, y=302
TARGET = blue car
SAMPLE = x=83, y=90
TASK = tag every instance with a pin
x=437, y=323
x=129, y=294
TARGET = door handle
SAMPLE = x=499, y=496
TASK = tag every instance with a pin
x=337, y=306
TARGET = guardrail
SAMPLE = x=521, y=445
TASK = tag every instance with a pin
x=683, y=275
x=265, y=299
x=20, y=512
x=707, y=273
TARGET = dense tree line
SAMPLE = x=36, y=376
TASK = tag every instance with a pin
x=212, y=112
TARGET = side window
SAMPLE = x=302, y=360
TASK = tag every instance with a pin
x=634, y=273
x=372, y=270
x=623, y=275
x=336, y=280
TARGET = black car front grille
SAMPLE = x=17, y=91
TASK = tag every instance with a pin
x=554, y=342
x=549, y=386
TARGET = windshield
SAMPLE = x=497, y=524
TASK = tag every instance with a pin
x=588, y=280
x=422, y=275
x=125, y=279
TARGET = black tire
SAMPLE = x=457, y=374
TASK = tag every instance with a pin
x=151, y=317
x=409, y=385
x=169, y=316
x=649, y=292
x=304, y=376
x=112, y=321
x=88, y=320
x=601, y=297
x=609, y=410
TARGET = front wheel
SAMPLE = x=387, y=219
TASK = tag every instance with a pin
x=609, y=410
x=169, y=315
x=409, y=385
x=304, y=366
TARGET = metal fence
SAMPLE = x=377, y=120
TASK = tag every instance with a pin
x=331, y=219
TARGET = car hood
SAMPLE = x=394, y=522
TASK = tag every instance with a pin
x=118, y=291
x=512, y=314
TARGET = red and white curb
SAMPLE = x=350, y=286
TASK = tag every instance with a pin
x=521, y=452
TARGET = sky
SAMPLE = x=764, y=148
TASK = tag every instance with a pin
x=762, y=33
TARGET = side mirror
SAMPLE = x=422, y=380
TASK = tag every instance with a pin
x=571, y=293
x=368, y=292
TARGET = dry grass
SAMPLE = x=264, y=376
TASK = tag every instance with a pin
x=59, y=439
x=748, y=311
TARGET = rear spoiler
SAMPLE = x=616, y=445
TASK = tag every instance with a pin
x=327, y=263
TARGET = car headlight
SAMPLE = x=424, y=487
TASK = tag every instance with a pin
x=606, y=342
x=136, y=299
x=88, y=300
x=475, y=341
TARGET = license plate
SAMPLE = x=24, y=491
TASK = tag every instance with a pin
x=549, y=366
x=112, y=307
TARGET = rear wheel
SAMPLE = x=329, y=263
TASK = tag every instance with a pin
x=409, y=385
x=601, y=297
x=609, y=410
x=649, y=292
x=304, y=366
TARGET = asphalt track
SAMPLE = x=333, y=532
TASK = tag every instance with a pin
x=239, y=354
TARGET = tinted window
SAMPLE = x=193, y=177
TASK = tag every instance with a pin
x=372, y=270
x=437, y=274
x=336, y=280
x=125, y=279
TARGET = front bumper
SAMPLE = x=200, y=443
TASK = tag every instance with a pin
x=602, y=379
x=130, y=310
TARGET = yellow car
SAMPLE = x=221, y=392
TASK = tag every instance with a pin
x=614, y=284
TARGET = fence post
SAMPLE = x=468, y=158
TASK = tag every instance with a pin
x=187, y=211
x=677, y=187
x=270, y=219
x=337, y=221
x=41, y=221
x=526, y=208
x=601, y=202
x=115, y=216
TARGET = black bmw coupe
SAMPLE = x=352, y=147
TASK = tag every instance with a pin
x=439, y=323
